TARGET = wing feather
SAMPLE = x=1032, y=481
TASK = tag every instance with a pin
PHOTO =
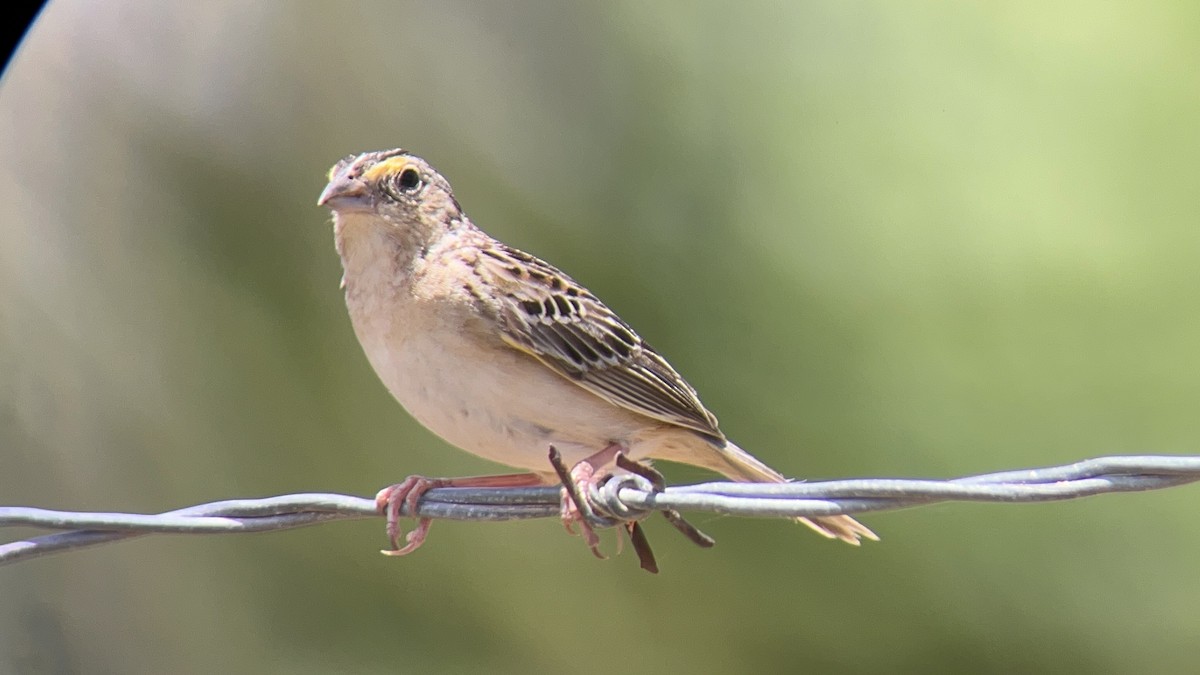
x=547, y=315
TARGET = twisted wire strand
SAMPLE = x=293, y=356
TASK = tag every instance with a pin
x=625, y=498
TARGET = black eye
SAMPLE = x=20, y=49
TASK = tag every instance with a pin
x=408, y=180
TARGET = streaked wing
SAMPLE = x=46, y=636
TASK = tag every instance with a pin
x=548, y=315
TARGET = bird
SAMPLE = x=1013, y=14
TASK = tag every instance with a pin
x=504, y=355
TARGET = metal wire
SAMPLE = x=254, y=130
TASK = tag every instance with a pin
x=624, y=498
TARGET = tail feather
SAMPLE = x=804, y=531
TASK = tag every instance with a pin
x=741, y=466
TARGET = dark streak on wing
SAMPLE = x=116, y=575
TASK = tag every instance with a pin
x=571, y=331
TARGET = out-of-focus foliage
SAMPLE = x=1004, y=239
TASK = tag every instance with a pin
x=881, y=238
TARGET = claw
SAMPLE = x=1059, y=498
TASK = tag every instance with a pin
x=406, y=493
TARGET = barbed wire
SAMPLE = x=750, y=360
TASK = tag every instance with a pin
x=624, y=498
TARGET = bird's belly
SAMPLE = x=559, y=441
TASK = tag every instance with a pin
x=496, y=402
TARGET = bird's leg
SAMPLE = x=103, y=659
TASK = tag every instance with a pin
x=407, y=493
x=576, y=483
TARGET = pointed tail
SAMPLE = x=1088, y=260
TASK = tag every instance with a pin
x=741, y=466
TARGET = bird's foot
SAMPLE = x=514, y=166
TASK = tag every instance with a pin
x=576, y=511
x=406, y=495
x=577, y=481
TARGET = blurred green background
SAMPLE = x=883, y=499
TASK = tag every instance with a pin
x=881, y=239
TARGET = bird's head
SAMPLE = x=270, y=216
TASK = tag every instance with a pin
x=390, y=189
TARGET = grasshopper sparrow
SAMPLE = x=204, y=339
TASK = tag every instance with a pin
x=503, y=355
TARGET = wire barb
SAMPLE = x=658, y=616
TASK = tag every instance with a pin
x=658, y=483
x=784, y=500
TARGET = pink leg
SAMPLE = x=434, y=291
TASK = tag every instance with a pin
x=407, y=493
x=583, y=475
